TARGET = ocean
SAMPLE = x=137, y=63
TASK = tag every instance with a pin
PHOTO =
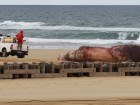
x=69, y=27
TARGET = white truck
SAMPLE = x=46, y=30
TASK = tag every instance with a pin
x=9, y=46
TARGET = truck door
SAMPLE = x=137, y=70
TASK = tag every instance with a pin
x=0, y=43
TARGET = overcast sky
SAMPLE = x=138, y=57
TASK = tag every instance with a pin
x=69, y=2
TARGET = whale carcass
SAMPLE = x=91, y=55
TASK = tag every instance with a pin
x=112, y=54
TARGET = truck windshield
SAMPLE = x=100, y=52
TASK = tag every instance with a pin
x=9, y=40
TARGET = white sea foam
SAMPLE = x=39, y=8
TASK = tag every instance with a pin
x=74, y=44
x=40, y=25
x=12, y=23
x=20, y=25
x=81, y=41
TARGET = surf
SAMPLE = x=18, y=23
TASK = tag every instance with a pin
x=42, y=26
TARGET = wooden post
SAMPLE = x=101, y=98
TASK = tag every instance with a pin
x=137, y=64
x=81, y=65
x=110, y=67
x=10, y=66
x=69, y=65
x=15, y=65
x=1, y=69
x=62, y=66
x=34, y=65
x=42, y=68
x=92, y=65
x=52, y=67
x=119, y=64
x=128, y=64
x=5, y=65
x=100, y=67
x=26, y=66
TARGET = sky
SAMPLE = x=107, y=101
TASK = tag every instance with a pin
x=69, y=2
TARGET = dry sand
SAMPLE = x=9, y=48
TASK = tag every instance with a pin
x=67, y=91
x=37, y=56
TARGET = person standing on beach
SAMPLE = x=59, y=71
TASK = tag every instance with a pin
x=20, y=37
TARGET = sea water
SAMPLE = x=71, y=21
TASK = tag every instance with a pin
x=69, y=27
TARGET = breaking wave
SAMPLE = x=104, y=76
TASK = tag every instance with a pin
x=76, y=41
x=74, y=44
x=20, y=25
x=63, y=37
x=42, y=26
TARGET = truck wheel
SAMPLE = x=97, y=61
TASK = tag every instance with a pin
x=21, y=56
x=4, y=53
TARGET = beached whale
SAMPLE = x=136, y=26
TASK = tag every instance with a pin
x=113, y=54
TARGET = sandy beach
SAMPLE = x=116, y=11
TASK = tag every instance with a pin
x=67, y=91
x=37, y=55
